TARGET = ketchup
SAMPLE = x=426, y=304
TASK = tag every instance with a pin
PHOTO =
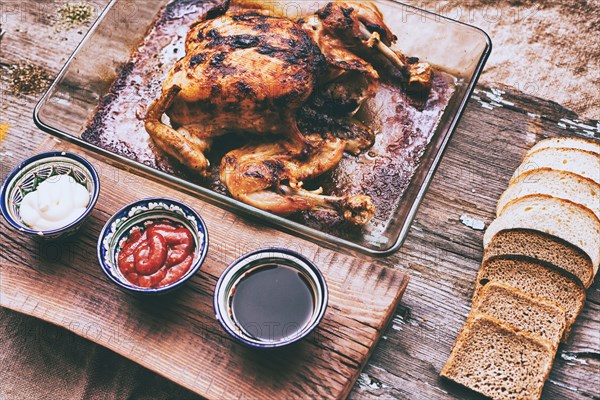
x=156, y=255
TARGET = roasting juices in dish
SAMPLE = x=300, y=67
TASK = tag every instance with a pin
x=156, y=254
x=311, y=116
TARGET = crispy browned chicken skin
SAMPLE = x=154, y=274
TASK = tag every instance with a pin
x=253, y=71
x=244, y=72
x=266, y=176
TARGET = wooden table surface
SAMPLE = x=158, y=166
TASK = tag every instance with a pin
x=441, y=255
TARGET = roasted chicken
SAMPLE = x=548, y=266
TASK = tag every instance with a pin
x=244, y=72
x=256, y=72
x=268, y=177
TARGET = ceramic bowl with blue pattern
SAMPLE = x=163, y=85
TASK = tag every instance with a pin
x=28, y=175
x=248, y=264
x=137, y=214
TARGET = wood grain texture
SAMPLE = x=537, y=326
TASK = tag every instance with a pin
x=178, y=336
x=441, y=254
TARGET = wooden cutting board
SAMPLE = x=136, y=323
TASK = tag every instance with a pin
x=178, y=336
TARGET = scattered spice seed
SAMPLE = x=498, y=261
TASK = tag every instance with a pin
x=75, y=14
x=28, y=78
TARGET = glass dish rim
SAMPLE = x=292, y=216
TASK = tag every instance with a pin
x=238, y=207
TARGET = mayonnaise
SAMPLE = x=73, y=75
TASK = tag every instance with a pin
x=55, y=203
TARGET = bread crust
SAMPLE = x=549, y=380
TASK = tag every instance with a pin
x=592, y=251
x=586, y=279
x=542, y=144
x=479, y=322
x=571, y=314
x=501, y=205
x=590, y=156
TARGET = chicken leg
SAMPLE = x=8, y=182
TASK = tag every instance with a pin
x=268, y=177
x=181, y=144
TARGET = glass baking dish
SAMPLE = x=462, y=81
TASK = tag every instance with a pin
x=72, y=100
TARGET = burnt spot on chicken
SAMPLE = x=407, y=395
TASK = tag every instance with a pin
x=254, y=174
x=213, y=34
x=243, y=41
x=269, y=50
x=325, y=12
x=297, y=57
x=383, y=33
x=244, y=89
x=234, y=42
x=261, y=27
x=347, y=13
x=358, y=136
x=197, y=59
x=216, y=89
x=275, y=168
x=230, y=160
x=217, y=11
x=250, y=17
x=217, y=60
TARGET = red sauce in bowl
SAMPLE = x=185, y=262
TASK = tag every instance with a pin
x=156, y=255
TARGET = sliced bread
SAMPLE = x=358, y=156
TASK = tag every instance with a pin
x=498, y=361
x=561, y=184
x=521, y=310
x=545, y=248
x=581, y=162
x=537, y=279
x=567, y=143
x=558, y=217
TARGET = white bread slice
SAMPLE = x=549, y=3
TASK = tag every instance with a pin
x=567, y=143
x=564, y=219
x=561, y=184
x=580, y=162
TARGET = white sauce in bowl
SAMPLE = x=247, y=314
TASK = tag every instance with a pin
x=56, y=202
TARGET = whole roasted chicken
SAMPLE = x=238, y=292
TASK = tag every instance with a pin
x=253, y=71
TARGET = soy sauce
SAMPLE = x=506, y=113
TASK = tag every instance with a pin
x=273, y=303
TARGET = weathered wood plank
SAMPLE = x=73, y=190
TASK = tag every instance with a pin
x=441, y=255
x=178, y=336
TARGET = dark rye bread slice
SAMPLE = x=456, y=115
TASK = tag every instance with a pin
x=499, y=361
x=543, y=247
x=523, y=311
x=538, y=279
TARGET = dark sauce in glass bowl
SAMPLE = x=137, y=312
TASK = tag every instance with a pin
x=273, y=303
